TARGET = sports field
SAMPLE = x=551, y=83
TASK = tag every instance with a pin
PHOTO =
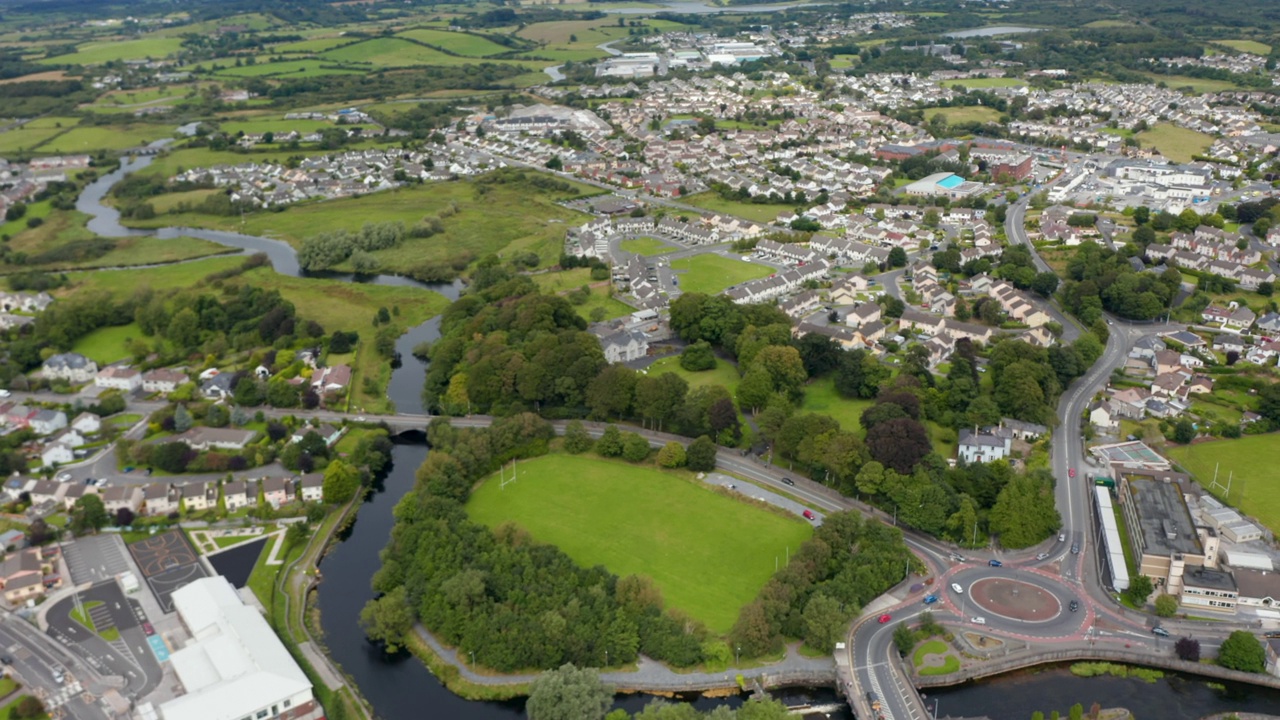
x=1176, y=143
x=708, y=553
x=956, y=115
x=1250, y=462
x=710, y=273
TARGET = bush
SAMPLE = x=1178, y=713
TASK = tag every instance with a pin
x=701, y=455
x=634, y=447
x=672, y=455
x=1166, y=605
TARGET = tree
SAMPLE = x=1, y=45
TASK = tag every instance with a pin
x=610, y=443
x=697, y=357
x=568, y=693
x=248, y=393
x=1139, y=588
x=1045, y=284
x=341, y=481
x=182, y=420
x=904, y=639
x=124, y=517
x=297, y=534
x=27, y=708
x=576, y=439
x=672, y=455
x=88, y=515
x=824, y=619
x=1184, y=431
x=1187, y=649
x=897, y=257
x=701, y=455
x=1242, y=651
x=388, y=619
x=1024, y=512
x=1166, y=605
x=611, y=392
x=899, y=443
x=634, y=447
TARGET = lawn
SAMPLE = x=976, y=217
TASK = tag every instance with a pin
x=708, y=553
x=949, y=665
x=109, y=344
x=1250, y=462
x=956, y=115
x=96, y=53
x=106, y=137
x=724, y=373
x=820, y=396
x=600, y=297
x=932, y=647
x=562, y=280
x=7, y=709
x=710, y=273
x=1176, y=143
x=1249, y=46
x=458, y=42
x=712, y=201
x=291, y=68
x=646, y=246
x=988, y=82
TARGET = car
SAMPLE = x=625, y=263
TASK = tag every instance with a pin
x=128, y=468
x=359, y=418
x=88, y=481
x=1157, y=630
x=957, y=588
x=930, y=599
x=63, y=477
x=1075, y=548
x=884, y=618
x=101, y=482
x=731, y=486
x=808, y=515
x=995, y=563
x=1062, y=537
x=1071, y=472
x=1042, y=556
x=1074, y=605
x=979, y=620
x=146, y=628
x=957, y=557
x=4, y=393
x=6, y=660
x=788, y=481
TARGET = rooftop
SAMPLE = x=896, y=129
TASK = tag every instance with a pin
x=1164, y=522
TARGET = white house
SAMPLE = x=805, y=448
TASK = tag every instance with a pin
x=125, y=379
x=311, y=487
x=982, y=447
x=72, y=367
x=46, y=422
x=162, y=381
x=87, y=423
x=56, y=454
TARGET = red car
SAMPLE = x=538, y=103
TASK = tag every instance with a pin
x=1071, y=472
x=808, y=515
x=885, y=618
x=146, y=628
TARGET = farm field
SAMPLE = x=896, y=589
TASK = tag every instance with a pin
x=1251, y=461
x=105, y=137
x=97, y=53
x=395, y=52
x=711, y=273
x=26, y=138
x=313, y=45
x=1197, y=85
x=1176, y=143
x=955, y=115
x=1249, y=46
x=708, y=553
x=459, y=42
x=712, y=201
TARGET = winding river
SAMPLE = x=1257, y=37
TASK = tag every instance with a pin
x=401, y=688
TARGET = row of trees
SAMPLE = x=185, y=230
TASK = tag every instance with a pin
x=513, y=602
x=323, y=251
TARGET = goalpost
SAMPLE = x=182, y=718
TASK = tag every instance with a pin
x=503, y=482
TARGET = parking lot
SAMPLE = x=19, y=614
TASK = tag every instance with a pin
x=96, y=558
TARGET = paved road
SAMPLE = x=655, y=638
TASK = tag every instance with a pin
x=36, y=657
x=129, y=657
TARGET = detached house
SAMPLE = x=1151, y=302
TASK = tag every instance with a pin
x=311, y=487
x=331, y=379
x=124, y=379
x=26, y=575
x=163, y=381
x=72, y=367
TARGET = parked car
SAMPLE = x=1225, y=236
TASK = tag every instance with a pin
x=1157, y=630
x=930, y=599
x=4, y=393
x=808, y=515
x=995, y=563
x=1075, y=548
x=956, y=587
x=63, y=477
x=1062, y=537
x=885, y=618
x=979, y=620
x=146, y=628
x=788, y=481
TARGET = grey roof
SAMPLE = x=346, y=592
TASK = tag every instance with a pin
x=1162, y=512
x=67, y=360
x=1209, y=578
x=972, y=439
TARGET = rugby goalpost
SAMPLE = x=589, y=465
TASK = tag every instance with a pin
x=503, y=482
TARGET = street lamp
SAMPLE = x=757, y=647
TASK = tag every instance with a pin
x=737, y=649
x=473, y=659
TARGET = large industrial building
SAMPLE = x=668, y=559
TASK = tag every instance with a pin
x=1166, y=542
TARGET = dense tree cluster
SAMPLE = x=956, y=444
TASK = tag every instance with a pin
x=516, y=603
x=328, y=249
x=1102, y=279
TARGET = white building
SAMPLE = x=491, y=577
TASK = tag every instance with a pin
x=125, y=379
x=983, y=447
x=234, y=667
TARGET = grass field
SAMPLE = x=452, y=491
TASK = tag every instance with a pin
x=109, y=344
x=291, y=68
x=1249, y=46
x=708, y=553
x=955, y=115
x=931, y=647
x=110, y=634
x=751, y=211
x=646, y=246
x=396, y=52
x=1176, y=143
x=313, y=45
x=820, y=396
x=458, y=42
x=277, y=125
x=988, y=82
x=96, y=53
x=724, y=373
x=1251, y=463
x=26, y=138
x=1196, y=86
x=121, y=283
x=710, y=273
x=563, y=281
x=106, y=137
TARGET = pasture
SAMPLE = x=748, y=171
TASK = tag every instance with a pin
x=708, y=553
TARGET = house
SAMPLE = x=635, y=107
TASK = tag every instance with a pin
x=237, y=494
x=200, y=496
x=218, y=387
x=26, y=575
x=74, y=492
x=47, y=422
x=56, y=454
x=327, y=432
x=310, y=487
x=233, y=666
x=115, y=377
x=47, y=491
x=72, y=367
x=1023, y=430
x=11, y=540
x=207, y=438
x=867, y=312
x=122, y=496
x=1101, y=417
x=846, y=290
x=983, y=446
x=163, y=380
x=624, y=346
x=276, y=491
x=160, y=499
x=87, y=423
x=331, y=379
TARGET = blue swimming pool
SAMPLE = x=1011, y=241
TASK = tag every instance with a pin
x=950, y=182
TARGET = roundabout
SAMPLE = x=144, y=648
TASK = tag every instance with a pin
x=1014, y=600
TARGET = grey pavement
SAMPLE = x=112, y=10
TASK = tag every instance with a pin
x=95, y=558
